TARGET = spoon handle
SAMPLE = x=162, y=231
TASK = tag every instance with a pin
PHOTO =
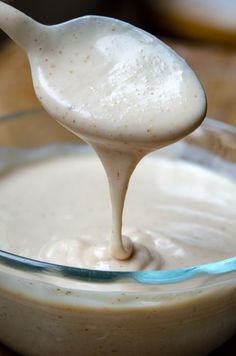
x=17, y=25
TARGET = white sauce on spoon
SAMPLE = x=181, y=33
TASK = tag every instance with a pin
x=118, y=87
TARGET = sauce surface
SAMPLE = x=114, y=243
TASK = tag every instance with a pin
x=172, y=213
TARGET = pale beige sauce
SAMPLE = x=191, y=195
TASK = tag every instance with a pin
x=126, y=94
x=185, y=226
x=116, y=86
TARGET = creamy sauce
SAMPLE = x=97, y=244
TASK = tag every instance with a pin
x=187, y=226
x=127, y=94
x=116, y=86
x=124, y=92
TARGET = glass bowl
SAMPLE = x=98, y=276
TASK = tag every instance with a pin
x=47, y=308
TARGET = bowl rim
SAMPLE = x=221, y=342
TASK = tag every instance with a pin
x=172, y=276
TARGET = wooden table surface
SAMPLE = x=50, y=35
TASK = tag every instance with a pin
x=216, y=68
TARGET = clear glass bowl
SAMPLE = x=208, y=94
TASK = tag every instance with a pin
x=47, y=308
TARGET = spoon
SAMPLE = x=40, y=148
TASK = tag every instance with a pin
x=117, y=87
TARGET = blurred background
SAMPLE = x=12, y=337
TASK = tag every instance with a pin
x=202, y=31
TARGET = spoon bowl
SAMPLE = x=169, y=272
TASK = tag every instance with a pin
x=95, y=73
